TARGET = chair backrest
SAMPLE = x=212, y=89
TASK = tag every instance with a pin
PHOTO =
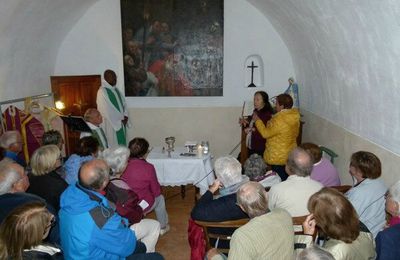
x=232, y=224
x=298, y=226
x=342, y=189
x=329, y=152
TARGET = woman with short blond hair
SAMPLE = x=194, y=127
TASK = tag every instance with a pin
x=44, y=180
x=22, y=232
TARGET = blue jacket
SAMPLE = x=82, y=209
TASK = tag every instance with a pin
x=72, y=166
x=388, y=243
x=92, y=230
x=368, y=199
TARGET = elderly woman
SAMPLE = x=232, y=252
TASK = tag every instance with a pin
x=368, y=193
x=256, y=169
x=387, y=240
x=22, y=233
x=44, y=180
x=88, y=149
x=281, y=133
x=53, y=137
x=229, y=174
x=323, y=170
x=346, y=236
x=142, y=179
x=126, y=201
x=254, y=141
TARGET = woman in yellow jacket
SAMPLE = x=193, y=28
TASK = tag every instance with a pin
x=281, y=132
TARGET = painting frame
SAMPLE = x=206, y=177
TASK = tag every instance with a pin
x=172, y=47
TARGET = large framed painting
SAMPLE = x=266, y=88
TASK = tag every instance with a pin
x=172, y=47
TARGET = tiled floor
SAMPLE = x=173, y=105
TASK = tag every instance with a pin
x=174, y=244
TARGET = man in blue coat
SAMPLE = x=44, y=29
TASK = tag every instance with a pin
x=90, y=228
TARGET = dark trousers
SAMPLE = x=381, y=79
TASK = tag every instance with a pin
x=140, y=253
x=280, y=170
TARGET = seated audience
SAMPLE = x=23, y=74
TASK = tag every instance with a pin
x=323, y=170
x=256, y=169
x=346, y=237
x=94, y=119
x=90, y=228
x=229, y=173
x=23, y=231
x=281, y=133
x=368, y=193
x=126, y=200
x=53, y=137
x=11, y=142
x=87, y=150
x=293, y=194
x=142, y=179
x=388, y=240
x=44, y=180
x=266, y=236
x=13, y=184
x=220, y=208
x=314, y=252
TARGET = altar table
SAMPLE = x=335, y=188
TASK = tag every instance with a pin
x=181, y=170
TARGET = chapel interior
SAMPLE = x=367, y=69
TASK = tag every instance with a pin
x=344, y=55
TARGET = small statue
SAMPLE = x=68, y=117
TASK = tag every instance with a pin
x=293, y=91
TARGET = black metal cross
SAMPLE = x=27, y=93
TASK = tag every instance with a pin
x=252, y=85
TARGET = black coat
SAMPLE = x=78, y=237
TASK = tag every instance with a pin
x=221, y=209
x=49, y=187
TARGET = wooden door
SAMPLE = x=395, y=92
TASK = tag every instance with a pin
x=78, y=93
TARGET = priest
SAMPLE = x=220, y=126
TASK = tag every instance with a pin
x=112, y=105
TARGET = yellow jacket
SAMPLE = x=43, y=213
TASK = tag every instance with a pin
x=281, y=133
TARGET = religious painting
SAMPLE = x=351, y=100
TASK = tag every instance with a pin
x=172, y=47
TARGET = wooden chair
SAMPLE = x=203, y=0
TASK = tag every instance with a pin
x=342, y=189
x=298, y=226
x=213, y=235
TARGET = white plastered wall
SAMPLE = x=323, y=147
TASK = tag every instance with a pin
x=347, y=61
x=94, y=44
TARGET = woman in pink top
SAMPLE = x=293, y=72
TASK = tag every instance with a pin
x=323, y=170
x=142, y=179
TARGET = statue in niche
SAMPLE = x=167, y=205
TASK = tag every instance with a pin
x=293, y=91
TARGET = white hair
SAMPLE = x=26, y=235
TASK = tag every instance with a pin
x=9, y=138
x=394, y=192
x=314, y=253
x=8, y=175
x=116, y=158
x=228, y=170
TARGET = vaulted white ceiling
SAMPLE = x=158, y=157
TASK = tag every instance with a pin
x=346, y=55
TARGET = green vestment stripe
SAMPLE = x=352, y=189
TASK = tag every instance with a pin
x=121, y=133
x=120, y=99
x=95, y=135
x=113, y=99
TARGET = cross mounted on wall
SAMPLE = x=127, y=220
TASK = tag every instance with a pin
x=252, y=85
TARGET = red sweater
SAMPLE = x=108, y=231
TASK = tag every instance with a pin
x=142, y=179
